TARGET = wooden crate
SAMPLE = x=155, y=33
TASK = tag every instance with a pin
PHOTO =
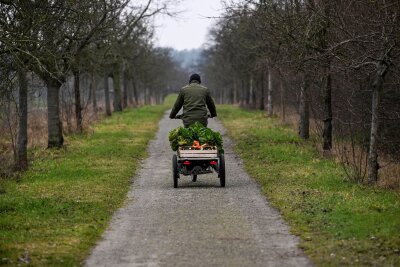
x=186, y=152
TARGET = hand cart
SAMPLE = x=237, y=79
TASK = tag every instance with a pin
x=190, y=161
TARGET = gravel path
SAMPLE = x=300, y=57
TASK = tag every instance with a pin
x=197, y=224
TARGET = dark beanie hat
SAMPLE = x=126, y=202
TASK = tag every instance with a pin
x=195, y=77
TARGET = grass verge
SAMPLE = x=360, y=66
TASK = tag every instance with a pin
x=339, y=222
x=56, y=211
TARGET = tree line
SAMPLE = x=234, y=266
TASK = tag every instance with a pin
x=333, y=64
x=56, y=55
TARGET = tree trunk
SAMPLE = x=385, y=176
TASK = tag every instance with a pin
x=283, y=102
x=377, y=85
x=270, y=110
x=243, y=93
x=304, y=127
x=327, y=134
x=235, y=95
x=248, y=92
x=93, y=87
x=135, y=93
x=262, y=88
x=125, y=92
x=54, y=125
x=251, y=90
x=130, y=93
x=232, y=93
x=107, y=96
x=147, y=96
x=117, y=89
x=22, y=157
x=78, y=106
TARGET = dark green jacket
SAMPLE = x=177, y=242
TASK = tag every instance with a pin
x=195, y=100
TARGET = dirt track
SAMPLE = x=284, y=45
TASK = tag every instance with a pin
x=198, y=224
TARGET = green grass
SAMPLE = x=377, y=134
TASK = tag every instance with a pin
x=57, y=210
x=339, y=222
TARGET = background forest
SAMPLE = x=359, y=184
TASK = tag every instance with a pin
x=64, y=64
x=329, y=68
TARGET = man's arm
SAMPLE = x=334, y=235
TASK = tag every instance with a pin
x=178, y=105
x=211, y=105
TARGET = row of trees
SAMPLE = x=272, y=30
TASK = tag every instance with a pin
x=334, y=62
x=87, y=42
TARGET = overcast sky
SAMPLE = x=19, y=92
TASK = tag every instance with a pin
x=189, y=29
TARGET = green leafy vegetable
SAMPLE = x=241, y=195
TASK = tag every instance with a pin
x=185, y=136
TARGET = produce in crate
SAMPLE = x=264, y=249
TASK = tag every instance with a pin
x=195, y=135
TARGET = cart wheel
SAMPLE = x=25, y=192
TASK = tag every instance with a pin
x=175, y=173
x=221, y=170
x=194, y=177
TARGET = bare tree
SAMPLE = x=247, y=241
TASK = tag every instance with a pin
x=335, y=56
x=22, y=156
